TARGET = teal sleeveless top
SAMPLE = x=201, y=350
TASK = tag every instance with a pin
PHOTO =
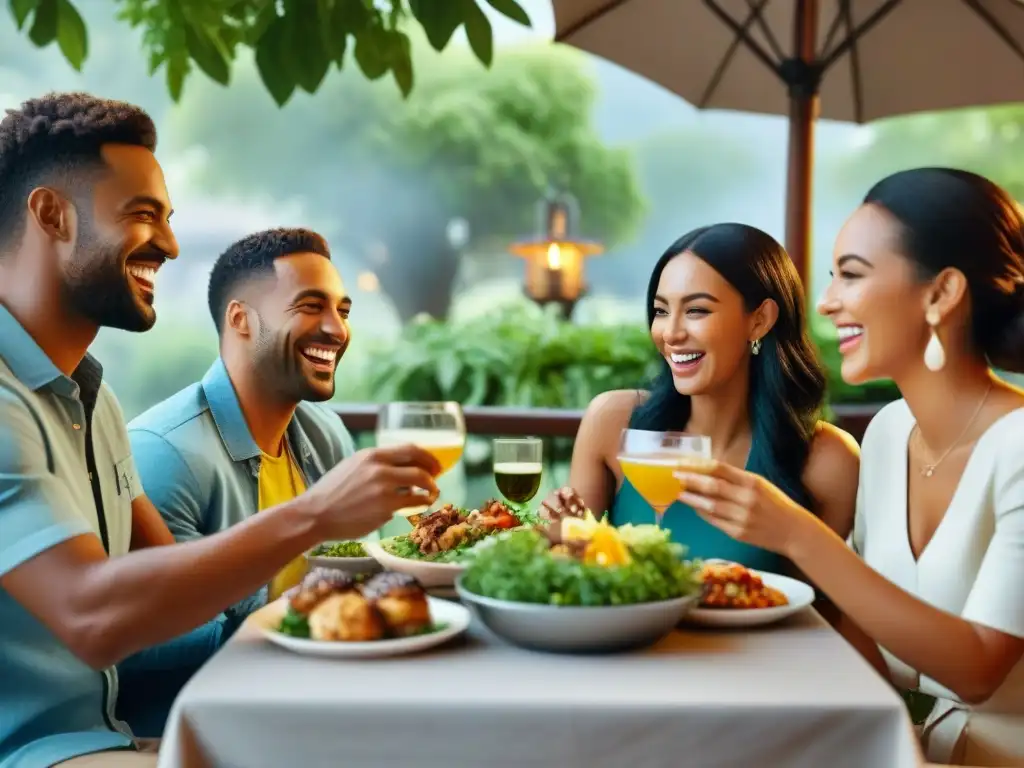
x=702, y=540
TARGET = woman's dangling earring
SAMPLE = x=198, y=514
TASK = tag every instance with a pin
x=934, y=354
x=755, y=347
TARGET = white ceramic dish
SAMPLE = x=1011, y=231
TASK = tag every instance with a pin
x=427, y=573
x=453, y=616
x=800, y=596
x=353, y=565
x=577, y=629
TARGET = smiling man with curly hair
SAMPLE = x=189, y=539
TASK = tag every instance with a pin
x=84, y=230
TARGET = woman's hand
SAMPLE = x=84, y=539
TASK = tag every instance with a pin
x=564, y=502
x=747, y=507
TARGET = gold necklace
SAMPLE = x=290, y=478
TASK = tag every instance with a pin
x=929, y=469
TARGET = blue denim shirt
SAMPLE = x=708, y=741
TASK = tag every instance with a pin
x=200, y=466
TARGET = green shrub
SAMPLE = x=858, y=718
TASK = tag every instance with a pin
x=517, y=358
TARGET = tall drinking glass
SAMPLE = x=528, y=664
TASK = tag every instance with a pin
x=438, y=428
x=518, y=466
x=650, y=459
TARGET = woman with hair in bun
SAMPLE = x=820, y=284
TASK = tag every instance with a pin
x=927, y=290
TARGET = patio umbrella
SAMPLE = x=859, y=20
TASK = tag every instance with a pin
x=853, y=60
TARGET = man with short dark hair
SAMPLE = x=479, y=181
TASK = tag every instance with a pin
x=246, y=437
x=84, y=230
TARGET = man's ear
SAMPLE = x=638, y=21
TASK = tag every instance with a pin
x=52, y=213
x=237, y=318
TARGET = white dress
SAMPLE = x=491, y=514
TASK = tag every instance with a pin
x=973, y=567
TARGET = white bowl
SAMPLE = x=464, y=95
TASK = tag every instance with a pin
x=800, y=596
x=577, y=629
x=353, y=565
x=427, y=573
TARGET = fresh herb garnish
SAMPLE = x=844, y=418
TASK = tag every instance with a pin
x=341, y=549
x=294, y=624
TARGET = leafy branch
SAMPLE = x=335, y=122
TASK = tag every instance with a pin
x=296, y=42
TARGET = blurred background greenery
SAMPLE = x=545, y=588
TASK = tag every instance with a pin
x=421, y=194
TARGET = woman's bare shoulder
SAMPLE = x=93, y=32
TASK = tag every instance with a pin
x=617, y=402
x=605, y=418
x=831, y=475
x=833, y=452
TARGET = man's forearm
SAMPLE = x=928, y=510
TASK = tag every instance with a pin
x=188, y=651
x=151, y=596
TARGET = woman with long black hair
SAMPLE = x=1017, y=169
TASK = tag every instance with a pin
x=928, y=290
x=726, y=312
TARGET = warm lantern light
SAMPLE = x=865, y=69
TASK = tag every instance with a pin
x=554, y=258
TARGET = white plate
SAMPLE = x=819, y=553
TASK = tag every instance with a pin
x=454, y=616
x=429, y=574
x=800, y=596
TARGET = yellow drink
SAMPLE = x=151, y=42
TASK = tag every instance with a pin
x=652, y=476
x=447, y=455
x=287, y=577
x=443, y=444
x=698, y=465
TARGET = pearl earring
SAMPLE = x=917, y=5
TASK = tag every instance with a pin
x=755, y=347
x=934, y=354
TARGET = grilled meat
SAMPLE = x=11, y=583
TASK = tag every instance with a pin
x=317, y=585
x=346, y=616
x=401, y=601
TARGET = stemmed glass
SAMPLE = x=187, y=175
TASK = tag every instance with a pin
x=649, y=460
x=518, y=466
x=438, y=428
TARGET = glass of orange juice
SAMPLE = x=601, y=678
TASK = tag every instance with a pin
x=438, y=428
x=650, y=459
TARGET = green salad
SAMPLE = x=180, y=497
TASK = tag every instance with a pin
x=341, y=549
x=524, y=567
x=407, y=546
x=403, y=546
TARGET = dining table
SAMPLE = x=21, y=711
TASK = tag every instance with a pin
x=790, y=694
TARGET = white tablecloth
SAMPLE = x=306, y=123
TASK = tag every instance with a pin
x=791, y=695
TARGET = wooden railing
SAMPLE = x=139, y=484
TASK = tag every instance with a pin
x=557, y=422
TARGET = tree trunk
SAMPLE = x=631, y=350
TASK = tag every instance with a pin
x=419, y=273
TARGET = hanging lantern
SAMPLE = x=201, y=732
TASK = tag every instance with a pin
x=554, y=257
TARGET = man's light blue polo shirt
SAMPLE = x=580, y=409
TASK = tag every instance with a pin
x=200, y=465
x=52, y=705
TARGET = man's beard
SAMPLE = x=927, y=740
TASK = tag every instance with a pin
x=96, y=285
x=276, y=362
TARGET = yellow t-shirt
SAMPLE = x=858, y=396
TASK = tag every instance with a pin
x=281, y=481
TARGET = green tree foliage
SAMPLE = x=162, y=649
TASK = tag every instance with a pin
x=989, y=141
x=392, y=173
x=296, y=42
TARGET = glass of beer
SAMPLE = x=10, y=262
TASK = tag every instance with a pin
x=650, y=459
x=518, y=466
x=438, y=428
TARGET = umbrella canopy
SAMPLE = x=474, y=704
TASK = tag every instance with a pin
x=853, y=60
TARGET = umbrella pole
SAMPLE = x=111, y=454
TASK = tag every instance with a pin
x=798, y=185
x=803, y=80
